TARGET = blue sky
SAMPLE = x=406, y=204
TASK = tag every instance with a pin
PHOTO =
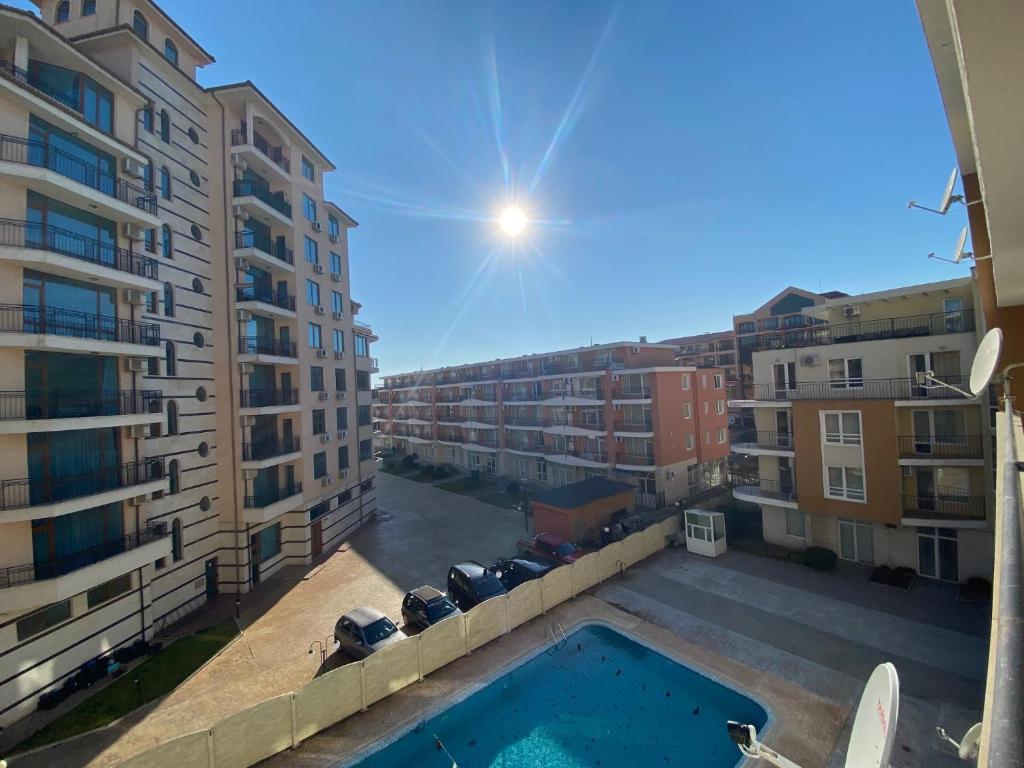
x=700, y=156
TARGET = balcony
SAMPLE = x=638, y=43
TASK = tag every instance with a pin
x=265, y=299
x=60, y=251
x=513, y=421
x=269, y=398
x=268, y=350
x=269, y=254
x=54, y=495
x=580, y=457
x=760, y=491
x=937, y=324
x=632, y=393
x=573, y=396
x=941, y=448
x=763, y=443
x=274, y=154
x=647, y=425
x=863, y=389
x=48, y=581
x=266, y=206
x=66, y=330
x=264, y=506
x=573, y=426
x=374, y=366
x=53, y=411
x=945, y=510
x=635, y=459
x=267, y=452
x=61, y=175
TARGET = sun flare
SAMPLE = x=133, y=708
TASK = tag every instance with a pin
x=512, y=221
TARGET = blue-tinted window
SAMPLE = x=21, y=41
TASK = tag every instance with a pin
x=269, y=542
x=362, y=346
x=313, y=336
x=167, y=244
x=171, y=52
x=312, y=252
x=165, y=183
x=312, y=293
x=308, y=207
x=320, y=464
x=307, y=169
x=336, y=303
x=335, y=263
x=339, y=340
x=63, y=11
x=343, y=457
x=88, y=7
x=140, y=26
x=333, y=228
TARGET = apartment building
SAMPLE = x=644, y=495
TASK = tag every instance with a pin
x=856, y=453
x=709, y=350
x=612, y=410
x=146, y=239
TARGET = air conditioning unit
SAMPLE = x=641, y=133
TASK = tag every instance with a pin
x=241, y=264
x=321, y=353
x=245, y=368
x=339, y=355
x=318, y=268
x=342, y=474
x=135, y=364
x=327, y=481
x=250, y=474
x=334, y=237
x=132, y=167
x=134, y=296
x=325, y=438
x=317, y=226
x=138, y=431
x=808, y=360
x=243, y=315
x=339, y=395
x=318, y=309
x=336, y=277
x=325, y=395
x=851, y=311
x=343, y=434
x=336, y=315
x=247, y=421
x=133, y=231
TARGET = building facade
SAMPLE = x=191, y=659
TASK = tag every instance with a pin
x=627, y=411
x=858, y=453
x=135, y=205
x=710, y=350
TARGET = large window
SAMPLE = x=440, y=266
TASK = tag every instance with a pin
x=314, y=336
x=312, y=293
x=316, y=378
x=167, y=244
x=856, y=541
x=43, y=619
x=165, y=183
x=363, y=381
x=364, y=416
x=339, y=340
x=109, y=590
x=312, y=252
x=335, y=263
x=319, y=464
x=63, y=11
x=308, y=171
x=340, y=383
x=845, y=483
x=846, y=372
x=319, y=421
x=71, y=231
x=343, y=457
x=795, y=524
x=75, y=91
x=140, y=26
x=366, y=450
x=842, y=427
x=341, y=418
x=333, y=228
x=308, y=207
x=165, y=125
x=361, y=346
x=337, y=305
x=269, y=542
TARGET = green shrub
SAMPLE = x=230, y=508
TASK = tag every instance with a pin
x=512, y=489
x=820, y=558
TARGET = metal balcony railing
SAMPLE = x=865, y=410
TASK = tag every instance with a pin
x=959, y=321
x=264, y=244
x=637, y=459
x=362, y=326
x=634, y=426
x=39, y=154
x=944, y=507
x=631, y=393
x=776, y=441
x=524, y=421
x=49, y=321
x=265, y=398
x=257, y=345
x=264, y=295
x=580, y=453
x=70, y=404
x=269, y=448
x=49, y=489
x=595, y=424
x=239, y=137
x=272, y=496
x=16, y=575
x=35, y=236
x=941, y=446
x=587, y=394
x=857, y=389
x=247, y=188
x=766, y=489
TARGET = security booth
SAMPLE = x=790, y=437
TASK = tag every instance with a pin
x=705, y=532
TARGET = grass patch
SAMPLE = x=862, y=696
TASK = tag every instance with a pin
x=157, y=675
x=500, y=499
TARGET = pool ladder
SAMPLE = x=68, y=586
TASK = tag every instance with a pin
x=557, y=634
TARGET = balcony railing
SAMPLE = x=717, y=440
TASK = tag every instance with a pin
x=595, y=424
x=246, y=188
x=239, y=137
x=775, y=441
x=257, y=345
x=17, y=405
x=580, y=453
x=767, y=489
x=960, y=321
x=264, y=244
x=33, y=235
x=587, y=394
x=24, y=78
x=941, y=446
x=50, y=489
x=47, y=569
x=945, y=507
x=858, y=389
x=266, y=398
x=272, y=496
x=522, y=397
x=362, y=326
x=635, y=426
x=264, y=295
x=524, y=421
x=638, y=459
x=631, y=393
x=269, y=448
x=27, y=318
x=39, y=154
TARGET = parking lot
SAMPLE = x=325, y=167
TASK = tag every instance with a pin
x=421, y=531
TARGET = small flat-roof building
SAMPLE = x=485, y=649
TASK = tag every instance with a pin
x=573, y=511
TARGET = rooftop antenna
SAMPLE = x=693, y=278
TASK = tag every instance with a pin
x=948, y=198
x=872, y=737
x=959, y=254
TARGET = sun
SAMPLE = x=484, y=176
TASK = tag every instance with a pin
x=512, y=221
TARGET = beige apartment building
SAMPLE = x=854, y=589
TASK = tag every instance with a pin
x=855, y=453
x=621, y=410
x=175, y=422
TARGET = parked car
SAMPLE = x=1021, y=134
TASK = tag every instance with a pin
x=364, y=630
x=513, y=571
x=469, y=584
x=425, y=606
x=549, y=548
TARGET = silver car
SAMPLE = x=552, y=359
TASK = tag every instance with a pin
x=364, y=630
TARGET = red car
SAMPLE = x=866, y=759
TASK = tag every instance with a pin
x=549, y=548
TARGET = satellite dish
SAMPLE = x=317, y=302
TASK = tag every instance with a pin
x=985, y=360
x=959, y=254
x=947, y=195
x=874, y=726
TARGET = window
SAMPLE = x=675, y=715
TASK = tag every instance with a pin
x=319, y=421
x=721, y=435
x=174, y=472
x=333, y=228
x=140, y=26
x=335, y=263
x=42, y=619
x=718, y=381
x=308, y=207
x=795, y=524
x=705, y=407
x=362, y=345
x=170, y=51
x=316, y=378
x=166, y=244
x=687, y=410
x=152, y=302
x=336, y=303
x=846, y=372
x=366, y=450
x=109, y=591
x=343, y=457
x=151, y=240
x=170, y=362
x=165, y=125
x=268, y=542
x=63, y=11
x=319, y=510
x=707, y=437
x=363, y=381
x=339, y=379
x=312, y=252
x=363, y=416
x=308, y=171
x=172, y=417
x=842, y=427
x=339, y=340
x=856, y=541
x=168, y=300
x=719, y=407
x=319, y=464
x=845, y=483
x=165, y=183
x=686, y=381
x=312, y=293
x=313, y=336
x=147, y=119
x=341, y=418
x=88, y=7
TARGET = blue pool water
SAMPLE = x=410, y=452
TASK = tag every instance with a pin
x=602, y=700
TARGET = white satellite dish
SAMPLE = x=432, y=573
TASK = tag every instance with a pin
x=872, y=736
x=948, y=198
x=985, y=360
x=959, y=254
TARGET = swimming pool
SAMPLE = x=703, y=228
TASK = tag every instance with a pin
x=601, y=700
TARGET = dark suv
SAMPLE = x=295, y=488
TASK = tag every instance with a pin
x=469, y=584
x=514, y=571
x=426, y=606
